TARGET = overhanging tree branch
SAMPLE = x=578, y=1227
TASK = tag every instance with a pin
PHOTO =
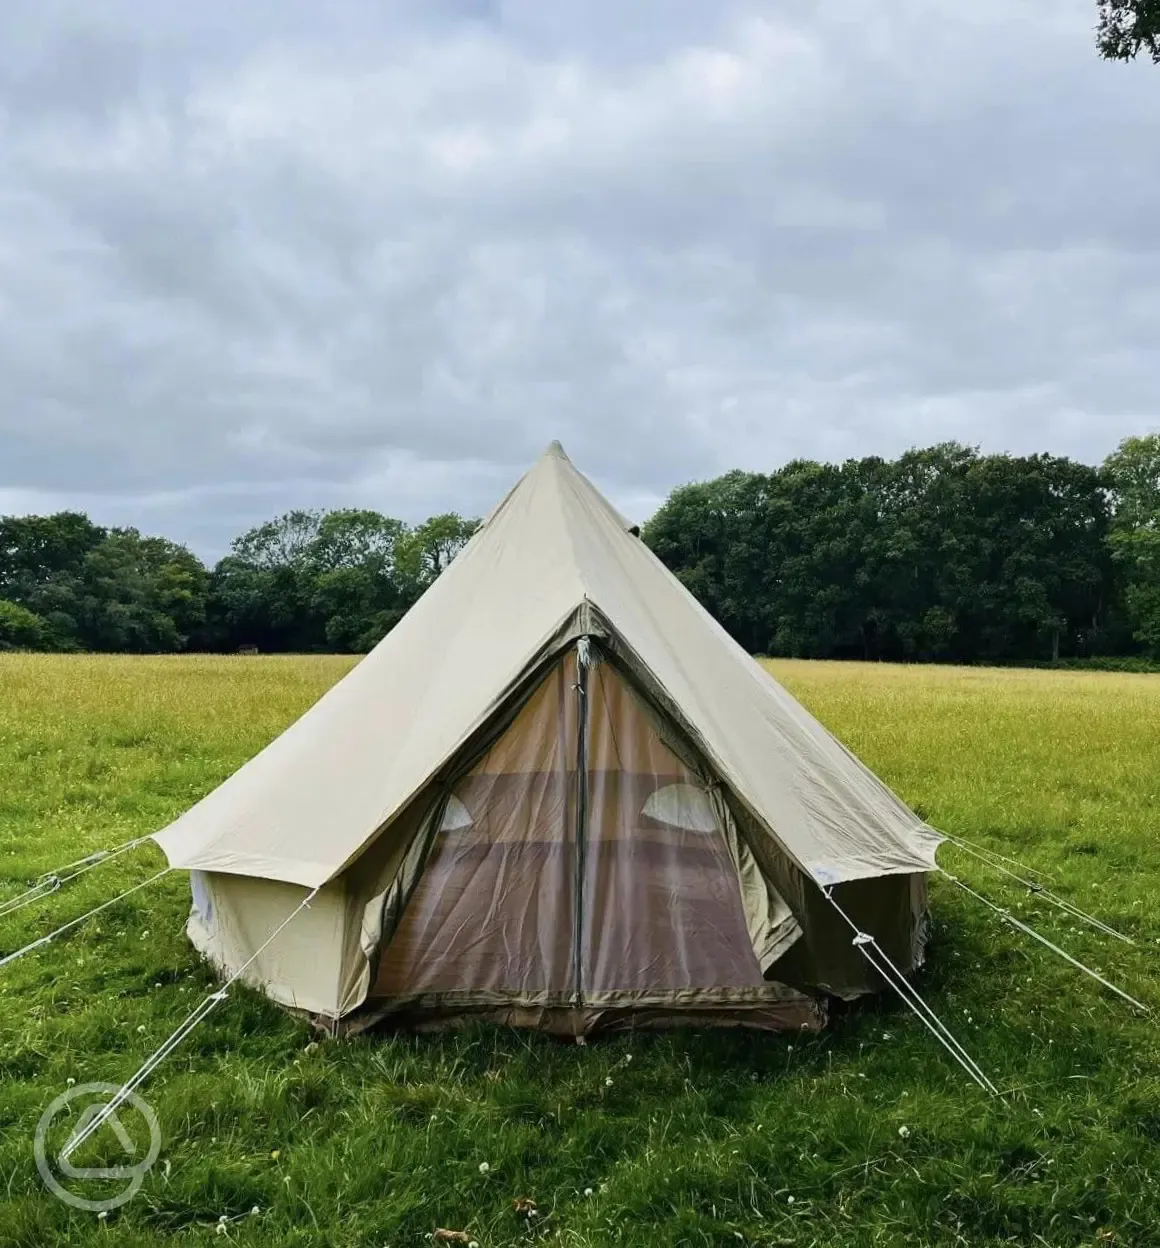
x=1127, y=28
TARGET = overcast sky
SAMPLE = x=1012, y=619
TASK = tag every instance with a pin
x=261, y=254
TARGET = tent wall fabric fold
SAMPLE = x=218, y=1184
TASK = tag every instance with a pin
x=557, y=794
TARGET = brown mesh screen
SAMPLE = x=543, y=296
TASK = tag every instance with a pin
x=494, y=909
x=662, y=905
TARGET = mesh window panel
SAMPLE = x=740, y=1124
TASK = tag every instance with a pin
x=662, y=902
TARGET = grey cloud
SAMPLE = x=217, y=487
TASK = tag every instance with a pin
x=251, y=259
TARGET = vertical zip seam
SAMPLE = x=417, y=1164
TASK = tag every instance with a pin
x=582, y=662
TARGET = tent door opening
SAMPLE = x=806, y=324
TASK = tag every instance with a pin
x=578, y=863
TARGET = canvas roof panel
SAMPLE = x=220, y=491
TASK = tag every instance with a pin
x=311, y=800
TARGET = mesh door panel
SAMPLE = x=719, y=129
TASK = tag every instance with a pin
x=662, y=903
x=494, y=909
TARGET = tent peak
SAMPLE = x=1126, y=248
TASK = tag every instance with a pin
x=556, y=451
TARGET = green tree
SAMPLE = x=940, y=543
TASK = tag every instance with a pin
x=20, y=629
x=1133, y=476
x=941, y=554
x=357, y=585
x=313, y=580
x=425, y=551
x=139, y=594
x=41, y=562
x=261, y=592
x=714, y=536
x=1127, y=28
x=921, y=566
x=1041, y=527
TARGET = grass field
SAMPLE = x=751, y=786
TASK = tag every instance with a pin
x=866, y=1134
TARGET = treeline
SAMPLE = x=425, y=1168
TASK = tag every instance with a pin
x=307, y=581
x=942, y=554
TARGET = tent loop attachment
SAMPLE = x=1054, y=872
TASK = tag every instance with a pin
x=44, y=887
x=872, y=951
x=60, y=931
x=996, y=861
x=53, y=881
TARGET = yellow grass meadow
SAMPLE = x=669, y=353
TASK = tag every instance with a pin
x=866, y=1134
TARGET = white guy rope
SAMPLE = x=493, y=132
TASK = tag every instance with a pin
x=50, y=882
x=60, y=931
x=1008, y=917
x=870, y=949
x=891, y=974
x=42, y=888
x=991, y=853
x=1032, y=886
x=195, y=1016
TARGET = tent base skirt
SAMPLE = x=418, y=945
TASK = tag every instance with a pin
x=798, y=1013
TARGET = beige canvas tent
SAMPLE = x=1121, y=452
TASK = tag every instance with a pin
x=557, y=794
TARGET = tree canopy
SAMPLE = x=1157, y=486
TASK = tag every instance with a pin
x=1127, y=28
x=944, y=554
x=304, y=581
x=941, y=554
x=1133, y=475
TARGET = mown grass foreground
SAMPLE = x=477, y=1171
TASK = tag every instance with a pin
x=866, y=1134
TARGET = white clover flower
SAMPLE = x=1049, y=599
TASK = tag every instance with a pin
x=904, y=1132
x=789, y=1200
x=608, y=1081
x=484, y=1168
x=587, y=1192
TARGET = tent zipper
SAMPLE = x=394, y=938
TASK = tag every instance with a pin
x=583, y=660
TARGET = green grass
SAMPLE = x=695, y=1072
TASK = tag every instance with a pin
x=865, y=1134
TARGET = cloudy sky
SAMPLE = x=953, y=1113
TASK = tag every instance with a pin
x=260, y=254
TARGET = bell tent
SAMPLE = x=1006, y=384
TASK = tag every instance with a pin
x=558, y=795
